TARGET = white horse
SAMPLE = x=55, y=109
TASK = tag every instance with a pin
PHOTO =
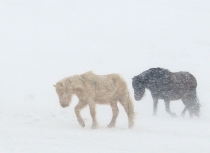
x=94, y=89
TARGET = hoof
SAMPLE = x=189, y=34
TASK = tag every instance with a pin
x=154, y=114
x=94, y=127
x=110, y=125
x=182, y=115
x=173, y=115
x=83, y=124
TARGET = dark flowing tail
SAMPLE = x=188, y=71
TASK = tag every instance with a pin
x=195, y=104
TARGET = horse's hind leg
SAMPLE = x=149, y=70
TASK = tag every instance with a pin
x=93, y=115
x=115, y=112
x=77, y=109
x=184, y=111
x=167, y=105
x=155, y=103
x=187, y=100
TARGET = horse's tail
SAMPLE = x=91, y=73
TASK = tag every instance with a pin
x=131, y=113
x=195, y=103
x=125, y=99
x=128, y=105
x=196, y=100
x=129, y=108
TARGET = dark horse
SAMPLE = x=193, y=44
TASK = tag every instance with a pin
x=168, y=86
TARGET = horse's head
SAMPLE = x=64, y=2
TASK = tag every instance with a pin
x=139, y=87
x=64, y=93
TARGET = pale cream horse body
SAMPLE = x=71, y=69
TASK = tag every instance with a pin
x=94, y=89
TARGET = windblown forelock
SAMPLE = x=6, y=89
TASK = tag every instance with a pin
x=139, y=94
x=138, y=87
x=64, y=90
x=135, y=82
x=138, y=82
x=59, y=89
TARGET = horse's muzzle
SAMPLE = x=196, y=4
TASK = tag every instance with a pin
x=137, y=97
x=64, y=105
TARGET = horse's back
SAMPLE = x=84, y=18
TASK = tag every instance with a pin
x=185, y=78
x=105, y=87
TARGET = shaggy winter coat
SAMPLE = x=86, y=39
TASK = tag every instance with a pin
x=168, y=86
x=92, y=89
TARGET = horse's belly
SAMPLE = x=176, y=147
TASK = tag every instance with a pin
x=170, y=95
x=104, y=97
x=175, y=98
x=102, y=102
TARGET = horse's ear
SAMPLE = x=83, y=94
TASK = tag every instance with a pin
x=60, y=84
x=54, y=85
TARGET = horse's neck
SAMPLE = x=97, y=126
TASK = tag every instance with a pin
x=75, y=81
x=88, y=76
x=79, y=80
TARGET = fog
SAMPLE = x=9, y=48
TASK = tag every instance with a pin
x=43, y=42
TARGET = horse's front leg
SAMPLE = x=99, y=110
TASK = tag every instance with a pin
x=155, y=103
x=93, y=115
x=77, y=109
x=167, y=105
x=115, y=112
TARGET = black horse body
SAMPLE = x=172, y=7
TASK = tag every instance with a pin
x=168, y=86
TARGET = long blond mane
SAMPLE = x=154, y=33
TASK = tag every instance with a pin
x=73, y=79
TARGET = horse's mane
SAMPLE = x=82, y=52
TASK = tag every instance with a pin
x=158, y=73
x=153, y=74
x=77, y=78
x=88, y=75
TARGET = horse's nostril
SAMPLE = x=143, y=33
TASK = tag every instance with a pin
x=63, y=105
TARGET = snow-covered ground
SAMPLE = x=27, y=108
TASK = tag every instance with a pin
x=42, y=42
